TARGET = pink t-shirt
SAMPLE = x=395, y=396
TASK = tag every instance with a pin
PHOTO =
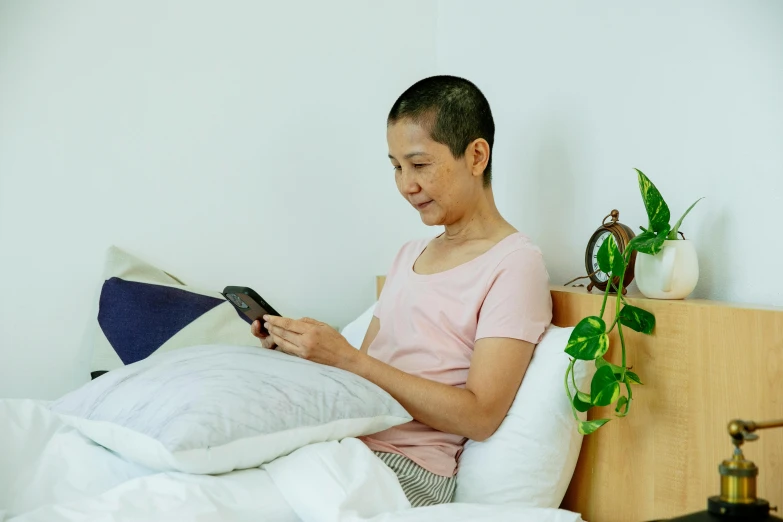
x=430, y=323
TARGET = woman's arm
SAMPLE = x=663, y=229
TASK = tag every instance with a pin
x=475, y=412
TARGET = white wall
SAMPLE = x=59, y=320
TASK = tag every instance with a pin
x=226, y=142
x=691, y=93
x=244, y=143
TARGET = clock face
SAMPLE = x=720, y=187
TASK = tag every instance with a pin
x=600, y=276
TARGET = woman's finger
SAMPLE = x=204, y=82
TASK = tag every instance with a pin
x=266, y=340
x=292, y=325
x=281, y=332
x=285, y=345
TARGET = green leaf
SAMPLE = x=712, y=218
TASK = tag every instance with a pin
x=604, y=388
x=673, y=233
x=588, y=427
x=617, y=370
x=588, y=340
x=657, y=209
x=637, y=319
x=631, y=377
x=618, y=262
x=609, y=257
x=604, y=262
x=642, y=242
x=622, y=406
x=649, y=242
x=582, y=401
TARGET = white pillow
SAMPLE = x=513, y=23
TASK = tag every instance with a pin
x=355, y=331
x=531, y=458
x=214, y=409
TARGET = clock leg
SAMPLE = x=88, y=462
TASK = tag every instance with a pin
x=590, y=287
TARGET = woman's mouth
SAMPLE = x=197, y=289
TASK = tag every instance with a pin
x=422, y=206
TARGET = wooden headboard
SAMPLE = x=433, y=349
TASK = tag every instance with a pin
x=707, y=363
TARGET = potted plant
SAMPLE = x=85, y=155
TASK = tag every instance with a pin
x=590, y=339
x=669, y=269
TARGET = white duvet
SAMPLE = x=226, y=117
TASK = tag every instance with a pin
x=51, y=473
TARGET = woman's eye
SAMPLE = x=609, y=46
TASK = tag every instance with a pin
x=397, y=167
x=419, y=165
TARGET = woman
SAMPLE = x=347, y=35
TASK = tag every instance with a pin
x=456, y=323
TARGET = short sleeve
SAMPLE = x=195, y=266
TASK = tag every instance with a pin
x=518, y=304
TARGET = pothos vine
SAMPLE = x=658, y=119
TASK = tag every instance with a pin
x=589, y=340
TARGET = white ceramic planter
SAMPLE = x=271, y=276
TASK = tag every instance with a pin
x=670, y=274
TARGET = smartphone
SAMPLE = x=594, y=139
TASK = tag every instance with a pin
x=249, y=304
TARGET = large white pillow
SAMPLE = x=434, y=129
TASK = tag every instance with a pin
x=213, y=409
x=355, y=331
x=531, y=457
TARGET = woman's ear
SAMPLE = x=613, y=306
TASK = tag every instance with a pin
x=477, y=155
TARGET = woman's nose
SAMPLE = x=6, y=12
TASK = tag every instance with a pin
x=408, y=183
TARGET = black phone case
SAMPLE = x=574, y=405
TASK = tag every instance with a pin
x=257, y=307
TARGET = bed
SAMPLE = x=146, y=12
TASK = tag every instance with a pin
x=60, y=462
x=56, y=475
x=708, y=362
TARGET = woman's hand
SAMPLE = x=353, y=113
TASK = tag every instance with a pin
x=266, y=340
x=311, y=340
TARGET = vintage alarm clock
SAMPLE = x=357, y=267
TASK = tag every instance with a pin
x=622, y=236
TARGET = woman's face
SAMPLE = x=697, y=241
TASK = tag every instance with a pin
x=442, y=188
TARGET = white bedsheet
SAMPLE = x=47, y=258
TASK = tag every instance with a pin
x=51, y=473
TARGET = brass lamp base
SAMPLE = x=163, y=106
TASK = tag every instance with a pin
x=718, y=510
x=729, y=516
x=706, y=516
x=758, y=510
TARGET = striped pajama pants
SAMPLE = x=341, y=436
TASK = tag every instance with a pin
x=422, y=487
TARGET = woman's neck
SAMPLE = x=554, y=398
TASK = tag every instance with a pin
x=483, y=222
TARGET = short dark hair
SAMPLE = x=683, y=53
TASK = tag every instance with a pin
x=454, y=109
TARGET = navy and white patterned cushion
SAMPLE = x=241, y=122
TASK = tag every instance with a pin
x=144, y=311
